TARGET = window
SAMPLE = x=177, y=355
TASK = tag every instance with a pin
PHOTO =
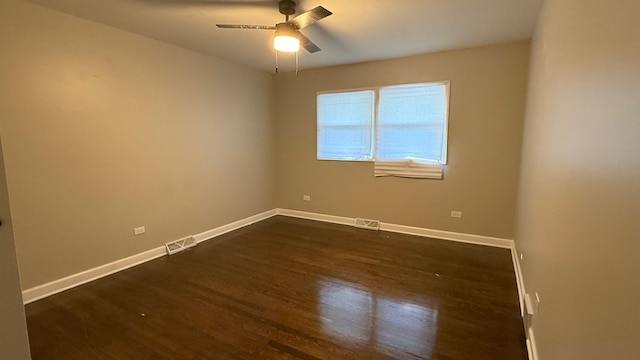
x=344, y=125
x=403, y=129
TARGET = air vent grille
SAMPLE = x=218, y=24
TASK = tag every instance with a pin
x=367, y=224
x=180, y=245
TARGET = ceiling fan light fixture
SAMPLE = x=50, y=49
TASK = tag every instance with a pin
x=286, y=38
x=286, y=43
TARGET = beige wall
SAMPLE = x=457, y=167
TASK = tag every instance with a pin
x=14, y=343
x=579, y=202
x=488, y=86
x=105, y=131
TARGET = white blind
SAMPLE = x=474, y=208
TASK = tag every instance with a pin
x=345, y=125
x=421, y=169
x=411, y=130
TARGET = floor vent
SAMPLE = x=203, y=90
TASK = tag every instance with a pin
x=179, y=245
x=367, y=224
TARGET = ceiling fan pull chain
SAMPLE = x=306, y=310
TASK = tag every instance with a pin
x=276, y=61
x=297, y=62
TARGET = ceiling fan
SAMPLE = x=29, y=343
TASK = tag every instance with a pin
x=287, y=34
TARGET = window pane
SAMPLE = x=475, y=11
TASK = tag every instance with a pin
x=344, y=144
x=412, y=122
x=412, y=142
x=345, y=125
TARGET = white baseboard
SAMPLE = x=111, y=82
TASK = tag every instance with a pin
x=234, y=225
x=515, y=257
x=56, y=286
x=531, y=340
x=531, y=346
x=448, y=235
x=404, y=229
x=315, y=216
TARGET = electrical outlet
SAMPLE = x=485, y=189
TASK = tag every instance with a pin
x=537, y=303
x=456, y=214
x=306, y=197
x=521, y=256
x=139, y=230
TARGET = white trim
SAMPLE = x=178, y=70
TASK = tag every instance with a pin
x=531, y=346
x=531, y=340
x=56, y=286
x=42, y=291
x=404, y=229
x=318, y=217
x=448, y=235
x=516, y=267
x=234, y=225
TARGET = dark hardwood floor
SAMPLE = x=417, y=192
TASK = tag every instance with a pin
x=287, y=288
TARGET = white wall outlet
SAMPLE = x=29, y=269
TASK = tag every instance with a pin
x=456, y=214
x=537, y=303
x=139, y=230
x=521, y=256
x=306, y=197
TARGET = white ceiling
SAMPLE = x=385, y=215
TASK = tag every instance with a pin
x=358, y=30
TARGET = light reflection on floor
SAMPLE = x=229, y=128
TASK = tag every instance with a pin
x=355, y=314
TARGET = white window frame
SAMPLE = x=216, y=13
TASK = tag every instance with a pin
x=374, y=125
x=372, y=133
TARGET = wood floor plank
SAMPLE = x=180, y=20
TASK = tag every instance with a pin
x=288, y=288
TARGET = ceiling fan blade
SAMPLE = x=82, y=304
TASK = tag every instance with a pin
x=256, y=27
x=308, y=44
x=309, y=17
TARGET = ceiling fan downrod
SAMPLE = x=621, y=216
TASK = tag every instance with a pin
x=287, y=8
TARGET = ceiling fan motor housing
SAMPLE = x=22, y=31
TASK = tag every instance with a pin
x=287, y=7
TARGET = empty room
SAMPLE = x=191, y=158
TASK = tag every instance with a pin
x=320, y=179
